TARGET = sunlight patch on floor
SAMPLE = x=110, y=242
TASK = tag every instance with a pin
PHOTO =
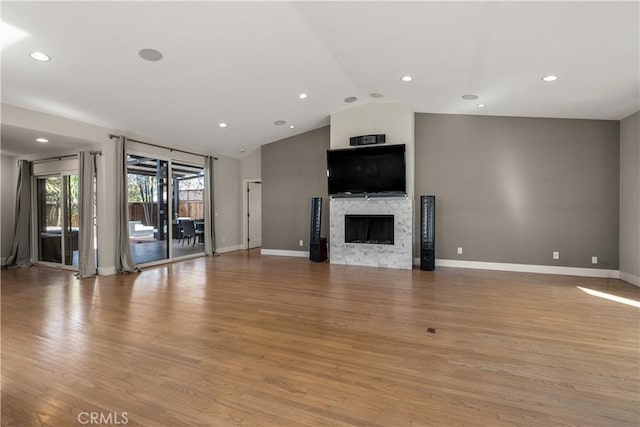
x=610, y=297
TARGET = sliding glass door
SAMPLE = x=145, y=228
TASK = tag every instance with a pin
x=148, y=208
x=188, y=209
x=166, y=208
x=57, y=219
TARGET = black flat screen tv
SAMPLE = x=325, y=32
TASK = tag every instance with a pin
x=375, y=170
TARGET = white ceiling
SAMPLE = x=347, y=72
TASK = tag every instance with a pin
x=245, y=63
x=21, y=141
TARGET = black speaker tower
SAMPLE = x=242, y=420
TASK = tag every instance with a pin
x=317, y=245
x=427, y=233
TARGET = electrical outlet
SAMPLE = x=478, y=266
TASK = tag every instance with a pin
x=594, y=260
x=459, y=250
x=556, y=255
x=301, y=243
x=224, y=239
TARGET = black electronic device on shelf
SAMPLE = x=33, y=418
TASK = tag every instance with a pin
x=367, y=139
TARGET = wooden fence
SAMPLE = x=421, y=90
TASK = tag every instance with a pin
x=192, y=209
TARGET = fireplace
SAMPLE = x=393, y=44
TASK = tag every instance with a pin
x=397, y=212
x=369, y=229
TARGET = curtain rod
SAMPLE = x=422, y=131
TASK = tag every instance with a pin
x=160, y=146
x=68, y=156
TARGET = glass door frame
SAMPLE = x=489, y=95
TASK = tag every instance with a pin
x=161, y=158
x=195, y=165
x=35, y=232
x=169, y=215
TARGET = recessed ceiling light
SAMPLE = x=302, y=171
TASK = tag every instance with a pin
x=42, y=140
x=470, y=97
x=242, y=150
x=303, y=96
x=549, y=78
x=150, y=54
x=222, y=125
x=39, y=56
x=481, y=105
x=376, y=95
x=407, y=78
x=292, y=126
x=279, y=122
x=350, y=99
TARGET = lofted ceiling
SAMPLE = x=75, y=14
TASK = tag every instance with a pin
x=244, y=63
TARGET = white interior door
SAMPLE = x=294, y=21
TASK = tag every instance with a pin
x=254, y=217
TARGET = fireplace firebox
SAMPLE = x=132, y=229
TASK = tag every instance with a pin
x=368, y=229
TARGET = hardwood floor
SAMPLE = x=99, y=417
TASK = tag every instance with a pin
x=156, y=250
x=247, y=340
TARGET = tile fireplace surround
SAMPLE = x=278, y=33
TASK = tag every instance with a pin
x=398, y=255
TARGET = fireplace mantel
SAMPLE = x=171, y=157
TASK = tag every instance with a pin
x=397, y=255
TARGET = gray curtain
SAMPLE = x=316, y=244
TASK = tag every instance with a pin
x=21, y=246
x=124, y=259
x=87, y=196
x=209, y=208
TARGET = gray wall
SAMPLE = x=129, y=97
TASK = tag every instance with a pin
x=228, y=189
x=8, y=171
x=513, y=190
x=293, y=171
x=251, y=164
x=630, y=195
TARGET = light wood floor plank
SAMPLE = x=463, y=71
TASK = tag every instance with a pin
x=248, y=340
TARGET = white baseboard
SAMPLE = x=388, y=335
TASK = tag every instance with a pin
x=230, y=249
x=278, y=252
x=244, y=247
x=530, y=268
x=527, y=268
x=107, y=271
x=634, y=280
